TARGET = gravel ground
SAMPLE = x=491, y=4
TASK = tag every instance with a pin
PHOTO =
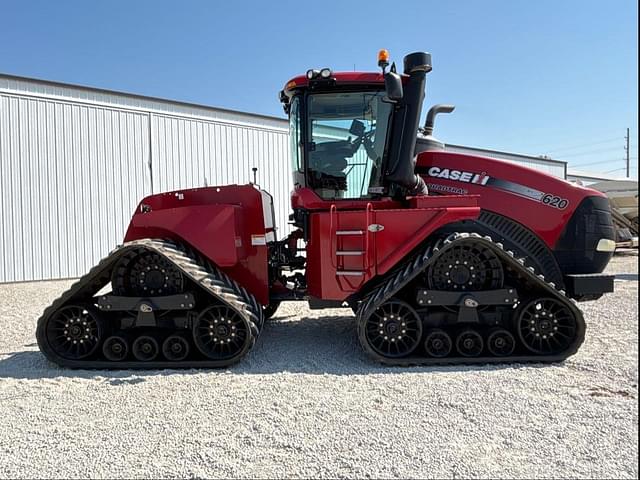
x=308, y=403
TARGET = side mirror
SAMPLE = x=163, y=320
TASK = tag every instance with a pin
x=357, y=128
x=393, y=86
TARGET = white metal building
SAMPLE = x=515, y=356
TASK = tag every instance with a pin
x=553, y=167
x=589, y=178
x=75, y=161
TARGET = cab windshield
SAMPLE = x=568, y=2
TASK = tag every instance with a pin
x=347, y=133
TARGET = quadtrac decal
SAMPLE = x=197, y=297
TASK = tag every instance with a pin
x=485, y=180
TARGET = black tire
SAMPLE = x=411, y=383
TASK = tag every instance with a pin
x=175, y=348
x=145, y=348
x=115, y=348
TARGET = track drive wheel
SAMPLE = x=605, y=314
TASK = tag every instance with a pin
x=546, y=326
x=394, y=330
x=144, y=273
x=466, y=266
x=74, y=332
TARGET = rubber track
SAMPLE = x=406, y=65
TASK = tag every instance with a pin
x=422, y=260
x=208, y=277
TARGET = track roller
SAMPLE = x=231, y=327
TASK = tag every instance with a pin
x=501, y=342
x=115, y=348
x=145, y=348
x=438, y=343
x=175, y=348
x=469, y=343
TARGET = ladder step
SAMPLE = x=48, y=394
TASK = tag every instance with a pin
x=349, y=273
x=349, y=253
x=349, y=232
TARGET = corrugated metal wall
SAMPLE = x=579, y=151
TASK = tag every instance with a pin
x=74, y=163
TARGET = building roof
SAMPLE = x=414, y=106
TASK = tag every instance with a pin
x=572, y=172
x=41, y=87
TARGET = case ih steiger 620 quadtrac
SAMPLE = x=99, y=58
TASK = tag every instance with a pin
x=443, y=257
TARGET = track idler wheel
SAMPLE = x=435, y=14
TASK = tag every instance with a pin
x=394, y=330
x=501, y=342
x=438, y=343
x=220, y=333
x=146, y=273
x=115, y=348
x=145, y=348
x=546, y=326
x=175, y=348
x=469, y=343
x=74, y=331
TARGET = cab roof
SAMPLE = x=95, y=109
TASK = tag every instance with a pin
x=345, y=78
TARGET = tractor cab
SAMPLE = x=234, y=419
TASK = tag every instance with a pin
x=345, y=138
x=353, y=134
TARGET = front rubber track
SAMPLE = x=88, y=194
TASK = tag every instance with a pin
x=529, y=281
x=202, y=273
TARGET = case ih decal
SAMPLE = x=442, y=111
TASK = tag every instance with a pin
x=458, y=175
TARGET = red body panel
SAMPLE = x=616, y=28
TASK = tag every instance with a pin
x=541, y=202
x=225, y=224
x=403, y=229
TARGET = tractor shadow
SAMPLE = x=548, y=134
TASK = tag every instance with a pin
x=315, y=346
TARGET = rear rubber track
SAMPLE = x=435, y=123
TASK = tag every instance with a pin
x=219, y=286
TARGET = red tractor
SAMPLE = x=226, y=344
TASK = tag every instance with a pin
x=443, y=257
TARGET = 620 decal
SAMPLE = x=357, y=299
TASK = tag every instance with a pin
x=554, y=201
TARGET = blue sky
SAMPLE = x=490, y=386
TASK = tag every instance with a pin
x=539, y=77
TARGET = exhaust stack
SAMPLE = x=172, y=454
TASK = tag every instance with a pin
x=401, y=169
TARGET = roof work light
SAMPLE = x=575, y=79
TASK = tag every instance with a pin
x=383, y=58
